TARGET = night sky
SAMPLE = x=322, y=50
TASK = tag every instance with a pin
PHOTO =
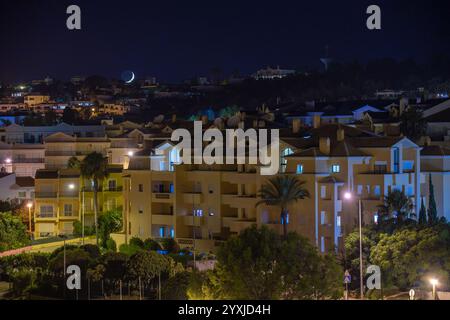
x=177, y=40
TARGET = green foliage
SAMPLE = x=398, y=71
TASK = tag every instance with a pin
x=74, y=256
x=111, y=245
x=396, y=206
x=129, y=249
x=282, y=191
x=146, y=265
x=95, y=168
x=150, y=244
x=108, y=223
x=23, y=261
x=24, y=282
x=409, y=256
x=422, y=214
x=73, y=163
x=115, y=266
x=176, y=288
x=351, y=248
x=92, y=250
x=137, y=242
x=13, y=233
x=258, y=264
x=170, y=245
x=432, y=211
x=88, y=230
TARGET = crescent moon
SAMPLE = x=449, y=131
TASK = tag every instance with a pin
x=132, y=78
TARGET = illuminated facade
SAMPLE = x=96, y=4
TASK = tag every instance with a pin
x=63, y=197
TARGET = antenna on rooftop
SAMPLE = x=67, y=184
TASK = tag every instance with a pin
x=326, y=60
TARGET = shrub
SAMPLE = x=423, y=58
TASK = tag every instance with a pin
x=111, y=245
x=175, y=288
x=170, y=245
x=137, y=242
x=129, y=249
x=150, y=244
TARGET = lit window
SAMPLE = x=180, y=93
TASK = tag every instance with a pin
x=198, y=213
x=338, y=221
x=172, y=233
x=161, y=232
x=377, y=191
x=375, y=218
x=171, y=188
x=360, y=187
x=408, y=165
x=323, y=218
x=299, y=169
x=287, y=219
x=323, y=192
x=336, y=168
x=409, y=191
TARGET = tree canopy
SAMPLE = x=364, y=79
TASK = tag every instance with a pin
x=259, y=264
x=13, y=233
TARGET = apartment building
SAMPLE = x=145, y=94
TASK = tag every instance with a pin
x=19, y=189
x=22, y=159
x=435, y=163
x=36, y=134
x=34, y=99
x=201, y=205
x=63, y=197
x=60, y=147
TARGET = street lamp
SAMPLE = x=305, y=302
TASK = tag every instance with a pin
x=349, y=196
x=434, y=282
x=29, y=206
x=64, y=237
x=130, y=153
x=8, y=160
x=71, y=186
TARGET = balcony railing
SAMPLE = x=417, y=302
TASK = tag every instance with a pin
x=46, y=215
x=59, y=153
x=115, y=189
x=162, y=195
x=45, y=195
x=69, y=194
x=28, y=160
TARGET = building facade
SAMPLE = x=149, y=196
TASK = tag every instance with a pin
x=63, y=197
x=201, y=205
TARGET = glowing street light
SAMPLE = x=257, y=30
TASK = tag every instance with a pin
x=130, y=153
x=434, y=282
x=8, y=160
x=29, y=206
x=71, y=186
x=349, y=196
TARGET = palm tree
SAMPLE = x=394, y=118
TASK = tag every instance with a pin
x=282, y=191
x=95, y=168
x=396, y=202
x=73, y=163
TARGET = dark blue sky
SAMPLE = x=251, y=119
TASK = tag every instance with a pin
x=175, y=40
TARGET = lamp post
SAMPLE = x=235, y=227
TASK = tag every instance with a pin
x=349, y=196
x=63, y=236
x=434, y=282
x=29, y=206
x=193, y=226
